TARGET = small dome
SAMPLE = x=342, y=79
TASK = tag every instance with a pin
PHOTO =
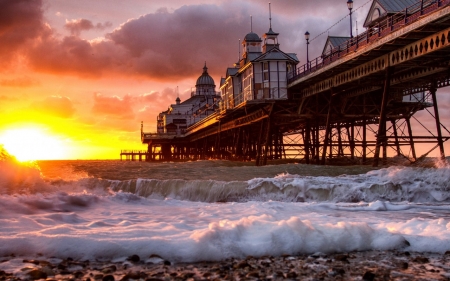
x=252, y=37
x=205, y=79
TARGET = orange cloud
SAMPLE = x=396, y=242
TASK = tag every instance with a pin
x=21, y=82
x=116, y=107
x=55, y=105
x=77, y=25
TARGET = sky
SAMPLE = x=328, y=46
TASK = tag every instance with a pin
x=77, y=78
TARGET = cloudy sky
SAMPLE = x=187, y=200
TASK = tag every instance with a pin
x=88, y=72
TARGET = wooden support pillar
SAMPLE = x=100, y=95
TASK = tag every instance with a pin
x=438, y=122
x=381, y=135
x=411, y=140
x=327, y=128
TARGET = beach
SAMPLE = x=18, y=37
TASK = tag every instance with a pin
x=369, y=265
x=221, y=220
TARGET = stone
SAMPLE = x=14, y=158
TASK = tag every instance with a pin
x=421, y=260
x=134, y=258
x=37, y=274
x=109, y=269
x=108, y=278
x=368, y=276
x=343, y=258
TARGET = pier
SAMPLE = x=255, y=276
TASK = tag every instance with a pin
x=357, y=102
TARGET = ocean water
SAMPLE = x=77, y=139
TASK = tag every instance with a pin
x=214, y=210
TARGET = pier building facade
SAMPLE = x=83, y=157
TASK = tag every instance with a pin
x=356, y=100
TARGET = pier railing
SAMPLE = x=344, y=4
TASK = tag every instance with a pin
x=383, y=28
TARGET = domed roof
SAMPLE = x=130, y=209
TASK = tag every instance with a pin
x=252, y=37
x=205, y=79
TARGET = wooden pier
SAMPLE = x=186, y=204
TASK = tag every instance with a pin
x=356, y=102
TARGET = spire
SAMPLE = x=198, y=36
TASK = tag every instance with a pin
x=205, y=69
x=270, y=17
x=251, y=23
x=270, y=35
x=178, y=101
x=239, y=48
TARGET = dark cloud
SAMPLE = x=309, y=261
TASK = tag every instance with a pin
x=115, y=107
x=21, y=82
x=55, y=105
x=20, y=22
x=168, y=45
x=77, y=25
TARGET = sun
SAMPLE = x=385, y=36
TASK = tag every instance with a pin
x=28, y=144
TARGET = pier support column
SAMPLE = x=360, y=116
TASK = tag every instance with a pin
x=381, y=135
x=397, y=143
x=438, y=122
x=307, y=141
x=411, y=140
x=327, y=128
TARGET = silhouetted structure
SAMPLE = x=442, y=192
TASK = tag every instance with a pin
x=373, y=83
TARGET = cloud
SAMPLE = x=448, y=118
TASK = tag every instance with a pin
x=77, y=25
x=116, y=107
x=165, y=45
x=21, y=82
x=20, y=22
x=55, y=105
x=157, y=99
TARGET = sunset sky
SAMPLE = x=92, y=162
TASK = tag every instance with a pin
x=80, y=76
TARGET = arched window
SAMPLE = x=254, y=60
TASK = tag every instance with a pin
x=376, y=14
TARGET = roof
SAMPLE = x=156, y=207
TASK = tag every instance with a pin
x=386, y=7
x=275, y=54
x=270, y=32
x=232, y=71
x=252, y=37
x=334, y=41
x=205, y=79
x=395, y=6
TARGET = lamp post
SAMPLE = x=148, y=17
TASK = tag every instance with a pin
x=350, y=7
x=307, y=49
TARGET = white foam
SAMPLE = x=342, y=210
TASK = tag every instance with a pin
x=178, y=220
x=87, y=226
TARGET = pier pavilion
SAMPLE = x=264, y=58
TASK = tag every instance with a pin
x=355, y=102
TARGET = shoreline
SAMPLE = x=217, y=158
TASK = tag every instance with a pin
x=368, y=265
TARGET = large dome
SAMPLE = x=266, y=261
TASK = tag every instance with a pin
x=205, y=79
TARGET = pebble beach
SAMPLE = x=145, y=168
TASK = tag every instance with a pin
x=370, y=265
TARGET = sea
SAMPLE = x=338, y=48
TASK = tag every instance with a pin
x=215, y=210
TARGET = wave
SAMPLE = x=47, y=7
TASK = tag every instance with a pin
x=396, y=184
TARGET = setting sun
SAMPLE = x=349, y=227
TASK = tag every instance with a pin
x=33, y=144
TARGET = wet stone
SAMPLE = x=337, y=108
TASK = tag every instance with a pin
x=37, y=274
x=108, y=278
x=421, y=259
x=368, y=276
x=134, y=258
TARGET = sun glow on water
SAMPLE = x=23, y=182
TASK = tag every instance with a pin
x=28, y=144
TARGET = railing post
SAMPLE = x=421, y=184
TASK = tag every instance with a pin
x=406, y=15
x=421, y=7
x=379, y=30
